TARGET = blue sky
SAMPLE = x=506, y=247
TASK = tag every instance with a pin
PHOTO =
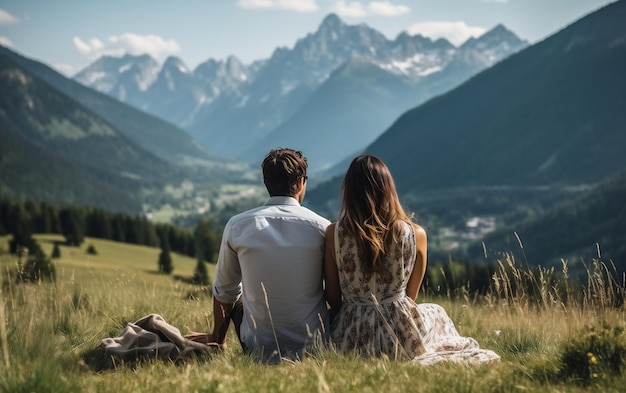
x=70, y=34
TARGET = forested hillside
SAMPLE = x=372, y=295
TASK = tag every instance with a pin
x=157, y=136
x=550, y=114
x=57, y=150
x=590, y=226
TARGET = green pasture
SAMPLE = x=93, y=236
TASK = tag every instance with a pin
x=50, y=335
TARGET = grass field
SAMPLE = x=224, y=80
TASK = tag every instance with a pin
x=557, y=340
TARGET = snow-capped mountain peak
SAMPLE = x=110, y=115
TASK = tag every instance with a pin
x=227, y=104
x=495, y=44
x=175, y=64
x=113, y=75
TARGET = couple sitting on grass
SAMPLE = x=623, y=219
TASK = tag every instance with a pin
x=288, y=279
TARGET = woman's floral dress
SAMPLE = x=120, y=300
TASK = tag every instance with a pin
x=377, y=317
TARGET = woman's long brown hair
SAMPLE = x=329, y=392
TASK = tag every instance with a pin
x=371, y=209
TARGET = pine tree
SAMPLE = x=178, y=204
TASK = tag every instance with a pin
x=119, y=234
x=91, y=250
x=207, y=239
x=165, y=259
x=201, y=273
x=72, y=226
x=22, y=233
x=56, y=251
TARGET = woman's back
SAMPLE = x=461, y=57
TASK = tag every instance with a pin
x=376, y=316
x=357, y=285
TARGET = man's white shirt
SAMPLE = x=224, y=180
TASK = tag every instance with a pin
x=272, y=257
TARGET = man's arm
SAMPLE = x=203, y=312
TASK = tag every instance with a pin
x=226, y=286
x=221, y=320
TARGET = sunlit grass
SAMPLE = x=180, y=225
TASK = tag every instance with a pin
x=53, y=332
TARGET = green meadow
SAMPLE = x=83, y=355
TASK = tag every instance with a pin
x=553, y=336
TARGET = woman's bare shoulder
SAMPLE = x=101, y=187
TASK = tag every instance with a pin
x=330, y=229
x=419, y=230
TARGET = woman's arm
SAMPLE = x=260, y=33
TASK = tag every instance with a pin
x=419, y=270
x=332, y=291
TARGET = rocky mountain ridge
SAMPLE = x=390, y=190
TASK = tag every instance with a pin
x=230, y=107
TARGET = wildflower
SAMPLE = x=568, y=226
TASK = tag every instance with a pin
x=592, y=358
x=497, y=332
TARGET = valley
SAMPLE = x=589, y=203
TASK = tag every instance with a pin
x=185, y=202
x=490, y=140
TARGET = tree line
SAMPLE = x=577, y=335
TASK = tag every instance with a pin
x=22, y=219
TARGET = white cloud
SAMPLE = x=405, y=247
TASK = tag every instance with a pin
x=4, y=41
x=455, y=32
x=251, y=4
x=349, y=10
x=355, y=9
x=7, y=19
x=386, y=8
x=292, y=5
x=130, y=43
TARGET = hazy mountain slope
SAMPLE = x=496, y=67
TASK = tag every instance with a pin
x=553, y=113
x=28, y=171
x=163, y=139
x=44, y=116
x=235, y=121
x=344, y=115
x=177, y=90
x=50, y=139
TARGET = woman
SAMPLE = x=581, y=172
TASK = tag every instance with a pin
x=374, y=264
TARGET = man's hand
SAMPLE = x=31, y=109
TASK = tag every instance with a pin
x=205, y=338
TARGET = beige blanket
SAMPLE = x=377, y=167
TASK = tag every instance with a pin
x=152, y=337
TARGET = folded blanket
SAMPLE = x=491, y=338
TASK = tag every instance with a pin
x=152, y=337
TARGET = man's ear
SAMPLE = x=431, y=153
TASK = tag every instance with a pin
x=301, y=184
x=301, y=189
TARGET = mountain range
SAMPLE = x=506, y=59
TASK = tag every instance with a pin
x=330, y=95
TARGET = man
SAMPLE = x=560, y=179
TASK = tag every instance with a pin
x=268, y=278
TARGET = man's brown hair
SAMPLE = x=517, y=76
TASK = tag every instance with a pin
x=282, y=169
